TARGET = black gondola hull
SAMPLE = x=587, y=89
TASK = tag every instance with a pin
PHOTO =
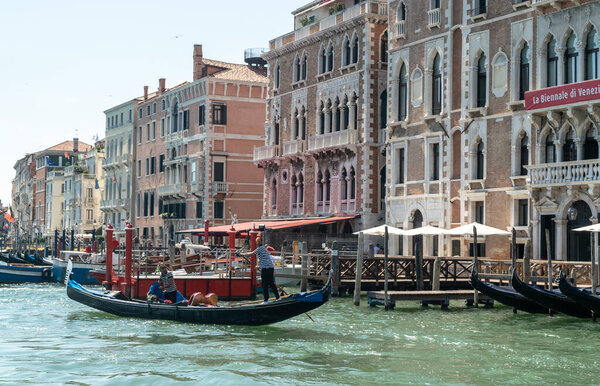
x=583, y=297
x=507, y=296
x=252, y=314
x=550, y=299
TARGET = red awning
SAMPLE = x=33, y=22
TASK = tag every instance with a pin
x=269, y=224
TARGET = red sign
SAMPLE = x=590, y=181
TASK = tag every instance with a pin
x=562, y=95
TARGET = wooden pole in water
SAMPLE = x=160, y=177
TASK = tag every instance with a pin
x=304, y=267
x=419, y=262
x=385, y=265
x=475, y=293
x=436, y=274
x=335, y=266
x=549, y=253
x=594, y=239
x=358, y=277
x=513, y=250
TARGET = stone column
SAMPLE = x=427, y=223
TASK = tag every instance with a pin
x=352, y=115
x=343, y=123
x=334, y=122
x=427, y=91
x=558, y=148
x=535, y=236
x=542, y=57
x=320, y=129
x=560, y=246
x=580, y=62
x=561, y=64
x=579, y=145
x=327, y=112
x=302, y=121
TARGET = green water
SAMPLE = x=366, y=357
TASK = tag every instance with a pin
x=45, y=338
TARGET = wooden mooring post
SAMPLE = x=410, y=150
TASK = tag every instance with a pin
x=335, y=267
x=435, y=286
x=475, y=264
x=549, y=253
x=385, y=267
x=304, y=266
x=359, y=260
x=527, y=262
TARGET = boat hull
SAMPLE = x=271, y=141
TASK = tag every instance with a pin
x=553, y=300
x=583, y=297
x=251, y=314
x=81, y=272
x=19, y=274
x=507, y=296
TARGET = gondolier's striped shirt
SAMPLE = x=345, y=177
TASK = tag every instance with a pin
x=264, y=257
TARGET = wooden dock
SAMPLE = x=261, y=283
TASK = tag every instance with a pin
x=426, y=298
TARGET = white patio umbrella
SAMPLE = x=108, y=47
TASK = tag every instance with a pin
x=383, y=230
x=595, y=228
x=427, y=230
x=482, y=230
x=380, y=231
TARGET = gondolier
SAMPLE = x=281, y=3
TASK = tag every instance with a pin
x=168, y=283
x=267, y=269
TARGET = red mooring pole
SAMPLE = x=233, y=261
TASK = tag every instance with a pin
x=109, y=256
x=253, y=236
x=128, y=257
x=206, y=232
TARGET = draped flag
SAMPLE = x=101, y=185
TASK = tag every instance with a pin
x=9, y=218
x=97, y=186
x=50, y=162
x=67, y=155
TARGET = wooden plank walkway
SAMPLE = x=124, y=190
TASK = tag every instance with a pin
x=425, y=297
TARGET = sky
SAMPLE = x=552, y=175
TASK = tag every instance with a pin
x=62, y=63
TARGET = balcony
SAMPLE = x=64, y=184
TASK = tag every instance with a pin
x=293, y=147
x=173, y=190
x=519, y=4
x=265, y=152
x=219, y=188
x=371, y=7
x=107, y=205
x=329, y=140
x=124, y=202
x=434, y=18
x=565, y=173
x=297, y=208
x=556, y=4
x=401, y=29
x=109, y=163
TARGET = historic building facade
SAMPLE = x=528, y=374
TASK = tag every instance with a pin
x=325, y=115
x=463, y=146
x=118, y=166
x=198, y=166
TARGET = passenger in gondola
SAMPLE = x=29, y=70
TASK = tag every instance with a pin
x=167, y=284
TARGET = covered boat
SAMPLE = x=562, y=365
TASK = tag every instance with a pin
x=553, y=300
x=507, y=296
x=243, y=314
x=24, y=273
x=583, y=296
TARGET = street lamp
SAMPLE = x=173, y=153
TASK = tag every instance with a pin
x=572, y=213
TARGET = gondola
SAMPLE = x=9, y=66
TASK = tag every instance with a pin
x=244, y=314
x=507, y=296
x=553, y=300
x=583, y=296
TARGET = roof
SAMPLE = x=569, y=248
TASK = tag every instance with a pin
x=68, y=146
x=234, y=71
x=311, y=5
x=271, y=224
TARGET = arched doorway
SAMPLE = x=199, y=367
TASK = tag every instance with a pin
x=578, y=243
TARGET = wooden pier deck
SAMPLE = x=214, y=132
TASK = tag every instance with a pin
x=426, y=298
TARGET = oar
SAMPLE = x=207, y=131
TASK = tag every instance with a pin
x=286, y=294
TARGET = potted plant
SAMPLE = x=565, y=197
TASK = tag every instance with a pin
x=336, y=8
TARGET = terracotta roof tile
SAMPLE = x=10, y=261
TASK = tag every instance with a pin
x=234, y=71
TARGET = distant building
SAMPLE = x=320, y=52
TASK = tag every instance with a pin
x=326, y=116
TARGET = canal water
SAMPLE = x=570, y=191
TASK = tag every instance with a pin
x=45, y=338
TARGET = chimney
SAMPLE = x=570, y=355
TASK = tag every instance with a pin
x=145, y=93
x=75, y=145
x=198, y=62
x=161, y=85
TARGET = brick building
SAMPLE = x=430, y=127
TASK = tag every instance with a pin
x=462, y=146
x=198, y=165
x=327, y=93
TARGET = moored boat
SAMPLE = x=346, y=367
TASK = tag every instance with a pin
x=25, y=273
x=583, y=296
x=507, y=296
x=83, y=264
x=553, y=300
x=243, y=314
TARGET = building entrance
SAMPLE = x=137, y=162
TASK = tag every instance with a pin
x=578, y=243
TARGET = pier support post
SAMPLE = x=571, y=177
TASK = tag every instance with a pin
x=549, y=253
x=436, y=274
x=335, y=266
x=109, y=256
x=128, y=259
x=304, y=267
x=526, y=263
x=418, y=246
x=358, y=277
x=171, y=252
x=385, y=266
x=475, y=265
